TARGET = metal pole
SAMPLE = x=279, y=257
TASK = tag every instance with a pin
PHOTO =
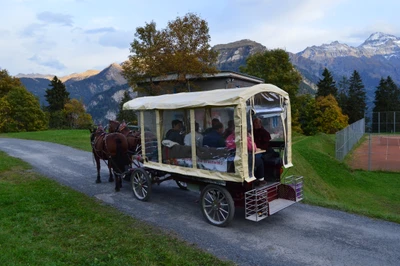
x=379, y=122
x=369, y=153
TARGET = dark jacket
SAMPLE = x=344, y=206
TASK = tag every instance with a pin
x=262, y=138
x=213, y=139
x=175, y=136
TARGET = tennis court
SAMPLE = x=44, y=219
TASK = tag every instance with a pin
x=377, y=152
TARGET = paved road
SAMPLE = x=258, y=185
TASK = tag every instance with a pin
x=298, y=235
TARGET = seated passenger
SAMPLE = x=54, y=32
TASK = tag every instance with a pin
x=214, y=138
x=261, y=135
x=199, y=137
x=174, y=134
x=230, y=129
x=252, y=147
x=213, y=123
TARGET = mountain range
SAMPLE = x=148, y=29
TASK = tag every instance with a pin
x=378, y=56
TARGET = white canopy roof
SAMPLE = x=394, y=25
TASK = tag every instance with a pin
x=220, y=97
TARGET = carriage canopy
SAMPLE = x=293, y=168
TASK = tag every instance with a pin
x=241, y=105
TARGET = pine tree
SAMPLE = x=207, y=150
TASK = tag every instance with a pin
x=343, y=88
x=128, y=116
x=356, y=102
x=387, y=96
x=57, y=96
x=326, y=85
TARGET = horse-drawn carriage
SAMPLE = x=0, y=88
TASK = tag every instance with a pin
x=225, y=177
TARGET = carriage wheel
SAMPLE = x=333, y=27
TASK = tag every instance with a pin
x=141, y=184
x=182, y=185
x=217, y=205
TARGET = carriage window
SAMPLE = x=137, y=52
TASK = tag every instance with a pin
x=150, y=133
x=210, y=155
x=174, y=128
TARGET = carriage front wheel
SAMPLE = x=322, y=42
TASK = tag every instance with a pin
x=141, y=184
x=217, y=205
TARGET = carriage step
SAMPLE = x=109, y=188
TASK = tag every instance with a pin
x=279, y=204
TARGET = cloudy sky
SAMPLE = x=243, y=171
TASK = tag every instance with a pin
x=61, y=37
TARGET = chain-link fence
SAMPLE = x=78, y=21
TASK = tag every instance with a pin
x=348, y=137
x=378, y=152
x=383, y=122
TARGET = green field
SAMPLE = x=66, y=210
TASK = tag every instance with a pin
x=75, y=229
x=45, y=223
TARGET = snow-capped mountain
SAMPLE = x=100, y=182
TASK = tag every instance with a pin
x=378, y=56
x=377, y=44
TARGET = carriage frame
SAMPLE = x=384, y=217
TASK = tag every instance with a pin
x=235, y=185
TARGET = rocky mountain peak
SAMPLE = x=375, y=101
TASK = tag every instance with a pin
x=378, y=39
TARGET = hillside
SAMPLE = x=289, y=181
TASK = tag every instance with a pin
x=330, y=183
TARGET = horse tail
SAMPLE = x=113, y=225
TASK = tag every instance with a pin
x=121, y=159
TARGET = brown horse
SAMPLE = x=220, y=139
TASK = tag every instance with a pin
x=112, y=147
x=133, y=138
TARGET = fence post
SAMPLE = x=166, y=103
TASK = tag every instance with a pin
x=369, y=153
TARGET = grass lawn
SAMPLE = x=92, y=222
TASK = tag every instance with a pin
x=333, y=184
x=45, y=223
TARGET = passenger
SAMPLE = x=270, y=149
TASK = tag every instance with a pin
x=261, y=136
x=214, y=138
x=174, y=134
x=199, y=137
x=213, y=123
x=230, y=129
x=252, y=147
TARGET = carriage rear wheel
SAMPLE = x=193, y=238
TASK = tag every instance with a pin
x=141, y=184
x=217, y=205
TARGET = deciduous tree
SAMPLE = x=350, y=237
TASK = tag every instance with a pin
x=20, y=111
x=329, y=116
x=181, y=49
x=274, y=67
x=76, y=115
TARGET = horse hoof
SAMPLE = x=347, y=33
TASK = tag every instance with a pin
x=98, y=181
x=111, y=180
x=117, y=190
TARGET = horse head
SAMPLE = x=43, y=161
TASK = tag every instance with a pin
x=113, y=126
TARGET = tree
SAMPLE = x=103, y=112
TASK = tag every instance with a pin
x=326, y=85
x=274, y=67
x=343, y=87
x=356, y=100
x=7, y=82
x=329, y=117
x=20, y=111
x=182, y=49
x=128, y=116
x=76, y=115
x=57, y=95
x=307, y=114
x=387, y=96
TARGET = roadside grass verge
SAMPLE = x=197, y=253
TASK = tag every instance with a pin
x=45, y=223
x=79, y=139
x=330, y=183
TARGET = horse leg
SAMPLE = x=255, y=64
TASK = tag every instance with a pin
x=118, y=182
x=97, y=159
x=110, y=179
